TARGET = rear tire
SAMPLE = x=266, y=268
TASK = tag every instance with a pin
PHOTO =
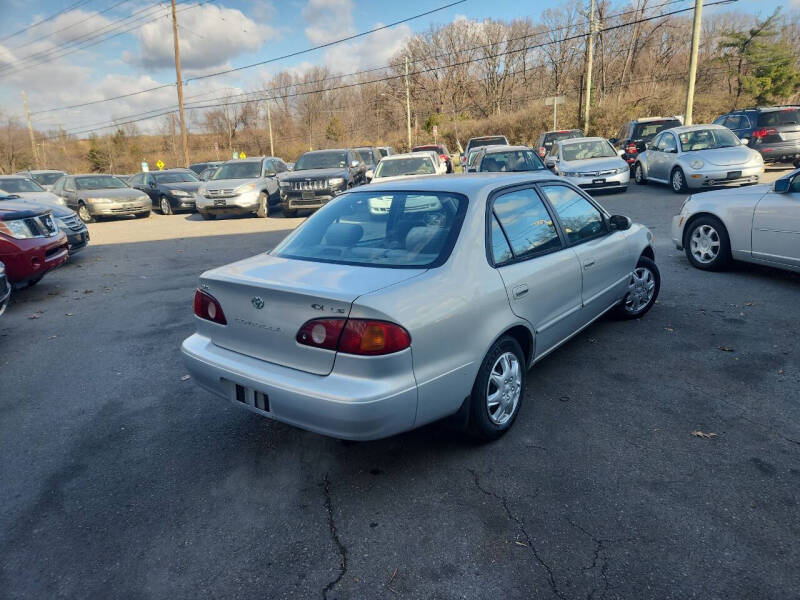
x=643, y=287
x=498, y=390
x=677, y=181
x=707, y=244
x=208, y=216
x=638, y=174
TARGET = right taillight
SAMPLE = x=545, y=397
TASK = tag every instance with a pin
x=364, y=337
x=206, y=307
x=631, y=149
x=764, y=132
x=542, y=151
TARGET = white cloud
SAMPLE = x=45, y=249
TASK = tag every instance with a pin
x=209, y=37
x=328, y=20
x=373, y=50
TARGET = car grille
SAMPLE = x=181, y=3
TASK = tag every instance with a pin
x=316, y=184
x=73, y=222
x=226, y=193
x=597, y=173
x=42, y=226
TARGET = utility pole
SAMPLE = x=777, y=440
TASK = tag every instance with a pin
x=408, y=107
x=698, y=16
x=179, y=82
x=30, y=131
x=269, y=122
x=589, y=59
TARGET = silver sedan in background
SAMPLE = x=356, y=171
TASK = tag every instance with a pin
x=698, y=156
x=361, y=327
x=590, y=162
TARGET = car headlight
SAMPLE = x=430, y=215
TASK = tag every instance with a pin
x=179, y=193
x=201, y=190
x=697, y=164
x=247, y=187
x=622, y=169
x=17, y=229
x=285, y=184
x=335, y=182
x=98, y=200
x=685, y=202
x=61, y=202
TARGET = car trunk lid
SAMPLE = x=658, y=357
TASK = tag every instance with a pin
x=267, y=299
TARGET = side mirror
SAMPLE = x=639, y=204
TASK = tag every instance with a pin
x=620, y=222
x=781, y=186
x=369, y=175
x=744, y=141
x=153, y=184
x=354, y=164
x=620, y=153
x=613, y=141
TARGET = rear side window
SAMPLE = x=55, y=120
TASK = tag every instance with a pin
x=580, y=219
x=410, y=230
x=525, y=223
x=501, y=251
x=774, y=118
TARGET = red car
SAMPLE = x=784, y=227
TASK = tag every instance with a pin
x=441, y=149
x=30, y=242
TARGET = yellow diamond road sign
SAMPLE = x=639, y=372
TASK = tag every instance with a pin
x=160, y=164
x=242, y=155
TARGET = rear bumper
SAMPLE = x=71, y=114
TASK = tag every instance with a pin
x=780, y=152
x=367, y=407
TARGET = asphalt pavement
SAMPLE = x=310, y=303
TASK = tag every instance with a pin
x=121, y=479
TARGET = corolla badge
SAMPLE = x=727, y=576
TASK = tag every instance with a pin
x=258, y=302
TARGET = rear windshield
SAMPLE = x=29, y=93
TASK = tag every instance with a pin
x=511, y=161
x=410, y=230
x=18, y=186
x=773, y=118
x=238, y=170
x=416, y=165
x=99, y=182
x=180, y=177
x=46, y=178
x=557, y=136
x=322, y=160
x=647, y=131
x=488, y=141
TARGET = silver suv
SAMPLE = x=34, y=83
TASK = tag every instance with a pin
x=238, y=187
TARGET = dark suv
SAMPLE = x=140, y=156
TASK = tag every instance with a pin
x=634, y=136
x=773, y=131
x=548, y=138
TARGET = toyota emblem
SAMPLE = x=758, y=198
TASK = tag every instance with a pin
x=258, y=302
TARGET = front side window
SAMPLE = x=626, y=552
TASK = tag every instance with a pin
x=511, y=161
x=668, y=143
x=58, y=186
x=580, y=219
x=526, y=224
x=99, y=182
x=396, y=167
x=19, y=186
x=136, y=180
x=413, y=230
x=69, y=184
x=178, y=177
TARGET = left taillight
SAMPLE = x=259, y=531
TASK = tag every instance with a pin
x=207, y=307
x=363, y=337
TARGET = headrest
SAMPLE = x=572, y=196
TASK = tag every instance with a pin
x=424, y=239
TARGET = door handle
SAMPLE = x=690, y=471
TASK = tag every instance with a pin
x=588, y=264
x=520, y=290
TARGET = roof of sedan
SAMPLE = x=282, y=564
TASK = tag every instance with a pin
x=468, y=184
x=14, y=177
x=503, y=148
x=685, y=128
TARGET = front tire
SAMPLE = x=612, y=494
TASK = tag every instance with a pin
x=707, y=244
x=638, y=174
x=643, y=287
x=84, y=214
x=290, y=213
x=678, y=181
x=165, y=206
x=143, y=215
x=498, y=390
x=263, y=206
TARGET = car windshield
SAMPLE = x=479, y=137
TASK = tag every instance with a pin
x=179, y=177
x=322, y=160
x=586, y=150
x=557, y=136
x=98, y=182
x=511, y=161
x=19, y=186
x=487, y=141
x=238, y=170
x=707, y=139
x=395, y=167
x=774, y=118
x=647, y=131
x=367, y=155
x=45, y=178
x=380, y=229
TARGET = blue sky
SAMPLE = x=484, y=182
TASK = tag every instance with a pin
x=214, y=36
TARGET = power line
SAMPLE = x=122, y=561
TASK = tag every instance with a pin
x=46, y=19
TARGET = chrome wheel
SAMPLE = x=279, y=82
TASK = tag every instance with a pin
x=677, y=180
x=641, y=287
x=84, y=214
x=503, y=389
x=704, y=244
x=166, y=207
x=638, y=177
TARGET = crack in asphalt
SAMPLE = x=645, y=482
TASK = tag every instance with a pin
x=599, y=547
x=335, y=537
x=521, y=524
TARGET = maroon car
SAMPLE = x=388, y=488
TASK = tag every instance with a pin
x=441, y=150
x=30, y=242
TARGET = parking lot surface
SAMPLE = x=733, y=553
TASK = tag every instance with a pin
x=122, y=479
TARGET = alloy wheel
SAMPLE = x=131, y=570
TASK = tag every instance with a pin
x=637, y=174
x=504, y=388
x=704, y=244
x=677, y=181
x=166, y=208
x=84, y=214
x=641, y=287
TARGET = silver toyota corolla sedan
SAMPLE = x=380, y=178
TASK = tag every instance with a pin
x=698, y=156
x=361, y=327
x=760, y=224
